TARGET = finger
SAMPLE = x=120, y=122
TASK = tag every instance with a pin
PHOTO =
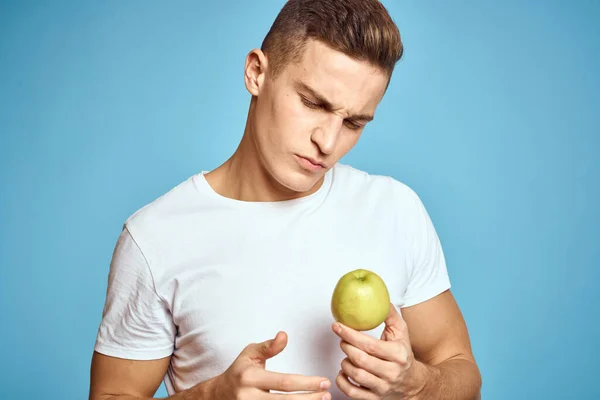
x=257, y=394
x=296, y=396
x=353, y=391
x=377, y=348
x=361, y=376
x=260, y=352
x=394, y=317
x=381, y=368
x=268, y=380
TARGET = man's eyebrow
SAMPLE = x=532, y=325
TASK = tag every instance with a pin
x=326, y=104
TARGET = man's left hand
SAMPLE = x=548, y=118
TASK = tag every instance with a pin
x=380, y=368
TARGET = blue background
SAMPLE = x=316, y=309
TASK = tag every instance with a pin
x=492, y=117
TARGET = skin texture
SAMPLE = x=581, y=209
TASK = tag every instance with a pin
x=287, y=119
x=423, y=353
x=316, y=108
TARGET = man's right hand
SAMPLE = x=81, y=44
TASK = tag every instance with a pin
x=247, y=377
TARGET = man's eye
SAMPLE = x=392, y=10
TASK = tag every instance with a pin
x=352, y=125
x=309, y=103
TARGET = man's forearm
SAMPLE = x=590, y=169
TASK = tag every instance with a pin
x=202, y=391
x=455, y=379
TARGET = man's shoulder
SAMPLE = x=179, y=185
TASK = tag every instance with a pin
x=381, y=197
x=360, y=184
x=181, y=198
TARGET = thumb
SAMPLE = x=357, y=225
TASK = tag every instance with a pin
x=267, y=349
x=395, y=326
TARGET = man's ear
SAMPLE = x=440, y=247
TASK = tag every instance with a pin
x=255, y=71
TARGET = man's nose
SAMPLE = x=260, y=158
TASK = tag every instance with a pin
x=326, y=135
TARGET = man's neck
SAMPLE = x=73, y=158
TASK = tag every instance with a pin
x=243, y=177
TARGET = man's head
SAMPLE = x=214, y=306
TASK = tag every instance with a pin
x=323, y=68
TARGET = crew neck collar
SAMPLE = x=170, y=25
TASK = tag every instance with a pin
x=205, y=188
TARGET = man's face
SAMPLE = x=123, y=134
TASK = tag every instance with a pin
x=312, y=114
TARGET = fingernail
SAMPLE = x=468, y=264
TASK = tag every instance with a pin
x=324, y=385
x=326, y=396
x=337, y=328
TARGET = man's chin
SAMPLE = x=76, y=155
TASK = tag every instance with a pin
x=301, y=183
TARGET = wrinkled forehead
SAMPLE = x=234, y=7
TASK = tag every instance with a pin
x=344, y=81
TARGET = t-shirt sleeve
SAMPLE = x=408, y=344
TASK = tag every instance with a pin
x=136, y=323
x=429, y=274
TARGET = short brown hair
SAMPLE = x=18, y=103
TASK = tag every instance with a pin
x=361, y=29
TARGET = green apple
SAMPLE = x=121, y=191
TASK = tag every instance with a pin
x=360, y=300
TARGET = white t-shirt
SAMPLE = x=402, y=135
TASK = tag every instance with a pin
x=199, y=276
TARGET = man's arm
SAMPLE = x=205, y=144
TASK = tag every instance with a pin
x=119, y=379
x=442, y=349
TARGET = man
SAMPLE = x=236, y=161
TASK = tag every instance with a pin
x=222, y=286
